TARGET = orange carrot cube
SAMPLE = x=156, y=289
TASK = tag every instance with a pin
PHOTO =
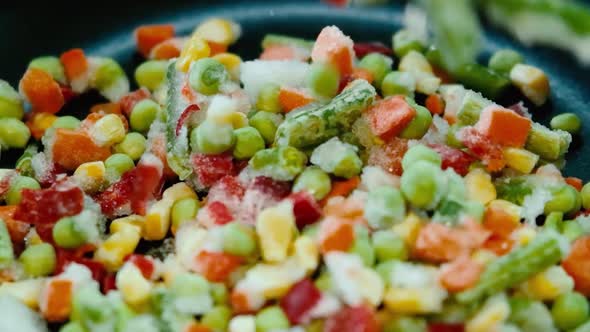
x=336, y=234
x=42, y=91
x=148, y=36
x=333, y=47
x=56, y=301
x=71, y=149
x=388, y=117
x=75, y=63
x=504, y=126
x=290, y=99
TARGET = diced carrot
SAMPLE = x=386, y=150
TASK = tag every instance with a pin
x=92, y=117
x=17, y=229
x=499, y=222
x=128, y=101
x=75, y=63
x=217, y=266
x=577, y=264
x=349, y=208
x=56, y=301
x=196, y=327
x=42, y=91
x=278, y=52
x=504, y=126
x=240, y=303
x=342, y=59
x=574, y=182
x=290, y=99
x=332, y=46
x=336, y=234
x=342, y=188
x=498, y=244
x=362, y=73
x=107, y=108
x=435, y=104
x=216, y=48
x=167, y=49
x=71, y=149
x=148, y=36
x=39, y=122
x=460, y=274
x=388, y=117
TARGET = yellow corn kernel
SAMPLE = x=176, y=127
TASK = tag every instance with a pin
x=178, y=191
x=232, y=63
x=479, y=186
x=520, y=159
x=428, y=84
x=532, y=82
x=548, y=285
x=370, y=285
x=189, y=240
x=242, y=323
x=272, y=281
x=135, y=289
x=157, y=219
x=493, y=313
x=116, y=247
x=274, y=228
x=42, y=121
x=196, y=48
x=306, y=253
x=91, y=176
x=524, y=235
x=108, y=130
x=239, y=120
x=27, y=291
x=33, y=237
x=483, y=256
x=171, y=267
x=409, y=229
x=511, y=210
x=218, y=30
x=414, y=300
x=133, y=220
x=415, y=62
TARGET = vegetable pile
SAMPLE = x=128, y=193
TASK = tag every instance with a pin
x=326, y=186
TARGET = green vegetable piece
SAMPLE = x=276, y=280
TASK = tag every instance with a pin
x=266, y=123
x=404, y=41
x=143, y=114
x=569, y=122
x=315, y=125
x=423, y=185
x=217, y=318
x=384, y=270
x=13, y=196
x=362, y=247
x=91, y=308
x=6, y=250
x=406, y=324
x=586, y=196
x=448, y=211
x=483, y=79
x=38, y=260
x=385, y=207
x=219, y=293
x=248, y=141
x=516, y=267
x=323, y=282
x=521, y=311
x=212, y=138
x=207, y=75
x=110, y=79
x=388, y=246
x=118, y=164
x=572, y=230
x=548, y=144
x=51, y=65
x=282, y=40
x=419, y=124
x=187, y=284
x=472, y=105
x=570, y=310
x=268, y=98
x=514, y=189
x=133, y=145
x=554, y=221
x=315, y=181
x=338, y=158
x=151, y=74
x=271, y=318
x=72, y=327
x=11, y=103
x=238, y=240
x=67, y=235
x=13, y=133
x=67, y=122
x=503, y=60
x=24, y=163
x=378, y=65
x=323, y=80
x=563, y=200
x=280, y=163
x=420, y=152
x=398, y=83
x=184, y=210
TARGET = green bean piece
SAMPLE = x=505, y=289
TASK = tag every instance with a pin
x=554, y=221
x=338, y=158
x=548, y=144
x=517, y=266
x=219, y=293
x=271, y=318
x=483, y=79
x=13, y=133
x=91, y=308
x=51, y=65
x=13, y=196
x=212, y=138
x=315, y=181
x=266, y=123
x=404, y=41
x=118, y=164
x=151, y=74
x=272, y=39
x=315, y=125
x=217, y=318
x=323, y=80
x=398, y=83
x=378, y=65
x=38, y=260
x=384, y=270
x=207, y=75
x=6, y=250
x=11, y=103
x=563, y=200
x=280, y=163
x=67, y=235
x=238, y=240
x=143, y=114
x=423, y=185
x=503, y=60
x=67, y=121
x=385, y=207
x=471, y=106
x=521, y=311
x=268, y=98
x=570, y=310
x=24, y=164
x=452, y=139
x=419, y=124
x=184, y=210
x=420, y=152
x=569, y=122
x=514, y=189
x=406, y=324
x=388, y=246
x=248, y=141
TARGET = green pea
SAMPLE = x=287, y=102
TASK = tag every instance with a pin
x=132, y=145
x=13, y=196
x=107, y=73
x=362, y=247
x=51, y=65
x=419, y=124
x=570, y=310
x=310, y=231
x=564, y=200
x=72, y=327
x=398, y=83
x=207, y=75
x=219, y=293
x=248, y=142
x=89, y=306
x=502, y=61
x=184, y=210
x=266, y=123
x=323, y=282
x=378, y=65
x=67, y=122
x=38, y=260
x=282, y=163
x=385, y=207
x=315, y=181
x=271, y=318
x=13, y=133
x=572, y=230
x=586, y=196
x=420, y=152
x=67, y=235
x=217, y=318
x=187, y=284
x=268, y=98
x=456, y=186
x=143, y=114
x=403, y=42
x=238, y=240
x=151, y=74
x=406, y=324
x=323, y=80
x=554, y=221
x=212, y=138
x=384, y=270
x=119, y=163
x=452, y=139
x=569, y=122
x=11, y=103
x=338, y=158
x=389, y=245
x=423, y=184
